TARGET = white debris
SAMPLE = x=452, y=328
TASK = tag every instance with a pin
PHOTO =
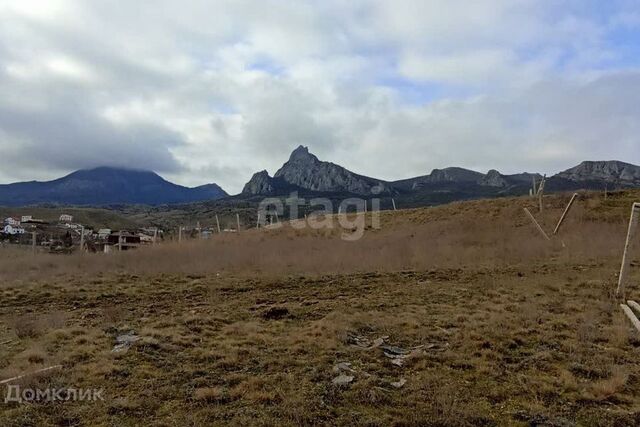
x=342, y=379
x=123, y=342
x=399, y=383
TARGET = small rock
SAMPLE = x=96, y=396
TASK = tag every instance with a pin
x=399, y=383
x=124, y=341
x=342, y=379
x=342, y=366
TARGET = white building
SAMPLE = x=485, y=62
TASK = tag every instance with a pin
x=12, y=221
x=66, y=218
x=26, y=218
x=12, y=229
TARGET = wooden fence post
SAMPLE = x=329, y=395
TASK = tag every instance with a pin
x=633, y=223
x=532, y=218
x=564, y=214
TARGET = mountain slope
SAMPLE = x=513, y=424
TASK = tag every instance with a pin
x=613, y=172
x=104, y=186
x=303, y=171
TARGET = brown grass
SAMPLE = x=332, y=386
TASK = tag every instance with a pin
x=488, y=232
x=247, y=329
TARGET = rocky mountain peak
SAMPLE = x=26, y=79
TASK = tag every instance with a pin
x=305, y=171
x=302, y=155
x=493, y=178
x=612, y=171
x=260, y=183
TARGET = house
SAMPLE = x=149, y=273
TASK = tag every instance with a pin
x=66, y=218
x=12, y=221
x=104, y=233
x=26, y=218
x=123, y=240
x=12, y=229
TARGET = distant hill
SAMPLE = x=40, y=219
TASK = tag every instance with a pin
x=106, y=186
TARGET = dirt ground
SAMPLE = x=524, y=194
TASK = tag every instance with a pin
x=528, y=342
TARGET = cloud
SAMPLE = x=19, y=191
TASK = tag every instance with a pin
x=212, y=92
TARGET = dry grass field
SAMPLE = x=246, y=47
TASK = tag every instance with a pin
x=448, y=316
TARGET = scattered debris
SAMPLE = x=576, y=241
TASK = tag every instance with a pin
x=399, y=383
x=399, y=355
x=365, y=343
x=342, y=380
x=276, y=313
x=342, y=366
x=124, y=341
x=39, y=371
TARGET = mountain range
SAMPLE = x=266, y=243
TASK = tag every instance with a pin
x=308, y=175
x=106, y=186
x=305, y=172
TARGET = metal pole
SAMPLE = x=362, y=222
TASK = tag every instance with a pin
x=218, y=224
x=238, y=222
x=180, y=234
x=258, y=221
x=633, y=223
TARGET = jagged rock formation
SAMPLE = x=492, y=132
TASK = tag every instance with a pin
x=612, y=172
x=305, y=171
x=260, y=183
x=493, y=178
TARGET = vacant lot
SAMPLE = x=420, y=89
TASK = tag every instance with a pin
x=458, y=315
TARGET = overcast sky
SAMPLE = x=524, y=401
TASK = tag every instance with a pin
x=213, y=91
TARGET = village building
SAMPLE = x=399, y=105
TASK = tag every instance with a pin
x=26, y=218
x=12, y=221
x=66, y=218
x=12, y=229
